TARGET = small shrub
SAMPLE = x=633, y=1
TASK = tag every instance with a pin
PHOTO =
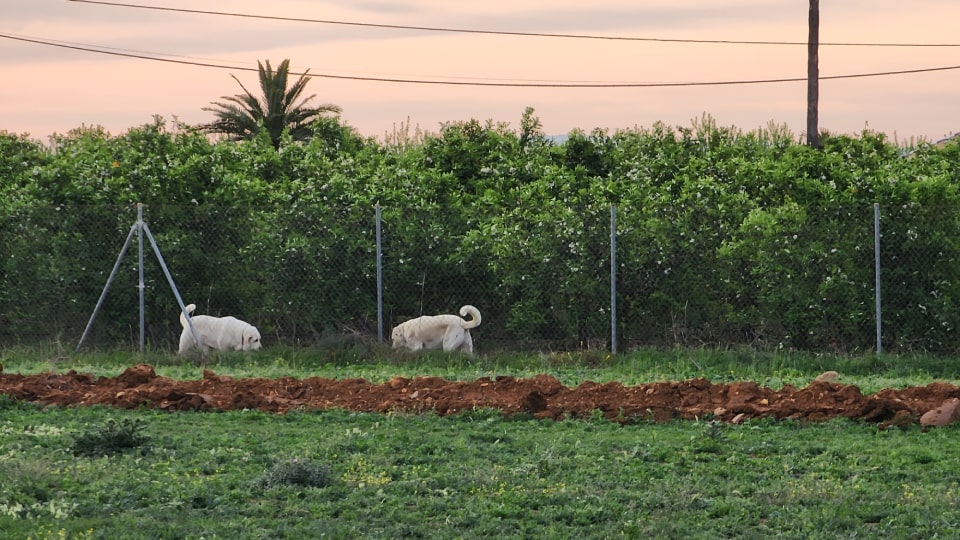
x=113, y=437
x=712, y=439
x=296, y=472
x=8, y=402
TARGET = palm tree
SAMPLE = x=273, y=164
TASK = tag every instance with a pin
x=243, y=115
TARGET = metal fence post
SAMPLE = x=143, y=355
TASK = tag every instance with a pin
x=141, y=229
x=142, y=284
x=379, y=279
x=613, y=279
x=876, y=271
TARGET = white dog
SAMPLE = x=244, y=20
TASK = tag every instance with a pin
x=220, y=333
x=449, y=332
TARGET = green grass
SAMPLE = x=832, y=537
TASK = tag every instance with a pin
x=378, y=364
x=310, y=474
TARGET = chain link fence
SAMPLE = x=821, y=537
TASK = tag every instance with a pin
x=314, y=276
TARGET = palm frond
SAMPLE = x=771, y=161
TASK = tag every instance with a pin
x=280, y=108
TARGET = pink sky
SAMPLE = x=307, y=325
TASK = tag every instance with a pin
x=47, y=90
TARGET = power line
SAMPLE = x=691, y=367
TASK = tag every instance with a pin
x=99, y=48
x=504, y=33
x=204, y=62
x=116, y=52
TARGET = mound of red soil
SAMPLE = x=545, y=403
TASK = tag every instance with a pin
x=541, y=396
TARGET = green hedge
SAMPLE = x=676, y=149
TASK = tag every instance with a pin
x=723, y=237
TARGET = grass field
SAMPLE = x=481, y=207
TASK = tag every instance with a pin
x=103, y=473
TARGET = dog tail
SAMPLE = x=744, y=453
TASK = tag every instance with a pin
x=189, y=309
x=474, y=320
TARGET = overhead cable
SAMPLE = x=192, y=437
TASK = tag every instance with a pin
x=116, y=52
x=502, y=32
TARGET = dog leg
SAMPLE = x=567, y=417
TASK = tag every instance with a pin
x=186, y=341
x=457, y=339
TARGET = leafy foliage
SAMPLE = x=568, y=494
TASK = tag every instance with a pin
x=723, y=237
x=296, y=472
x=112, y=437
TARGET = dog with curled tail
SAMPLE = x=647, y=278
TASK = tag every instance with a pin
x=220, y=333
x=448, y=332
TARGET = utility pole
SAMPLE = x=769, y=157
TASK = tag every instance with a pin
x=813, y=75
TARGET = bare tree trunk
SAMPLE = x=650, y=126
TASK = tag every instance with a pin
x=813, y=76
